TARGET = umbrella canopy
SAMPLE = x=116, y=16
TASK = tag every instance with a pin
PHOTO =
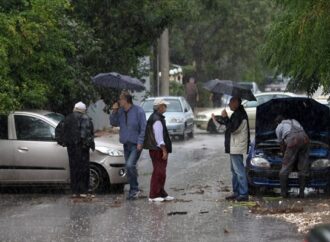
x=118, y=81
x=229, y=88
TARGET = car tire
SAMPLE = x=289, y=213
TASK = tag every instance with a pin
x=191, y=134
x=99, y=180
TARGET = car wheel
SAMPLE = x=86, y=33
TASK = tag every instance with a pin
x=98, y=179
x=191, y=134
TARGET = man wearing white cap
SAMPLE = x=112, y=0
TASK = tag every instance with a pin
x=79, y=138
x=158, y=142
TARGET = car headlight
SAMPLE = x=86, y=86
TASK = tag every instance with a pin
x=109, y=151
x=260, y=162
x=321, y=163
x=177, y=120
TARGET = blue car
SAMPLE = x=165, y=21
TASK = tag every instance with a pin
x=265, y=157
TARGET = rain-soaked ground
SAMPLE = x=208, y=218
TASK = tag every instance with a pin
x=197, y=175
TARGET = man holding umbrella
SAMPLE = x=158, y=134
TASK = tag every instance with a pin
x=237, y=139
x=132, y=122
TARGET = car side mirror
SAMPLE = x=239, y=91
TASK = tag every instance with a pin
x=186, y=110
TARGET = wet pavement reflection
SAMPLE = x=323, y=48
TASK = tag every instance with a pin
x=198, y=176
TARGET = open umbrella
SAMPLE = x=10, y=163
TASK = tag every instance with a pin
x=229, y=88
x=118, y=81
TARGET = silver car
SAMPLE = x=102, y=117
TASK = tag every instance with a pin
x=31, y=156
x=179, y=115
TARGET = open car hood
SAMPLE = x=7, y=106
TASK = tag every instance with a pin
x=313, y=116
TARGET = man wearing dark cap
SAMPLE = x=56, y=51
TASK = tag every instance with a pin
x=295, y=145
x=237, y=140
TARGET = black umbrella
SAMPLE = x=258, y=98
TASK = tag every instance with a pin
x=229, y=88
x=118, y=81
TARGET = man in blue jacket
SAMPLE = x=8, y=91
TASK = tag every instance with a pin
x=132, y=122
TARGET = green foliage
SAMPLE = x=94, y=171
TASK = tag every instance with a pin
x=298, y=43
x=49, y=50
x=221, y=38
x=176, y=89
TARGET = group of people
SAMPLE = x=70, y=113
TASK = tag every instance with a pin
x=291, y=135
x=137, y=133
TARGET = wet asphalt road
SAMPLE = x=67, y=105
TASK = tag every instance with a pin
x=198, y=172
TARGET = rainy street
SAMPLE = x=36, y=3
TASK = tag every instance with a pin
x=198, y=176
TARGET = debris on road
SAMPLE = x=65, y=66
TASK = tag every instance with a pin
x=177, y=213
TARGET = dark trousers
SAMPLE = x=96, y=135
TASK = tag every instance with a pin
x=79, y=168
x=158, y=177
x=296, y=153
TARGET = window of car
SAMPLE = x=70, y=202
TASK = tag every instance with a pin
x=174, y=106
x=3, y=127
x=31, y=128
x=264, y=98
x=186, y=106
x=55, y=117
x=251, y=104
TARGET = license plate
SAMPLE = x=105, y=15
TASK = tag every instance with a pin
x=293, y=175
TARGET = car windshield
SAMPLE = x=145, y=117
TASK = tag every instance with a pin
x=55, y=117
x=174, y=106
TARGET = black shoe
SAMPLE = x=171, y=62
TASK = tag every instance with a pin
x=231, y=197
x=242, y=199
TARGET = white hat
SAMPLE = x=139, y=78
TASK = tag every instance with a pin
x=160, y=101
x=80, y=106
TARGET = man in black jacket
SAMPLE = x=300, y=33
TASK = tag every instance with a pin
x=79, y=138
x=158, y=142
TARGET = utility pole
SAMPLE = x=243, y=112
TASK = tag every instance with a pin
x=164, y=63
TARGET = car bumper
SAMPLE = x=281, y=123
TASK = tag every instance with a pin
x=201, y=124
x=115, y=167
x=176, y=129
x=270, y=178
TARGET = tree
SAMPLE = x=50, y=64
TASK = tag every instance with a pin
x=221, y=38
x=298, y=43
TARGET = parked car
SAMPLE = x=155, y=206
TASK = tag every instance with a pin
x=204, y=121
x=31, y=156
x=179, y=115
x=265, y=157
x=320, y=233
x=253, y=86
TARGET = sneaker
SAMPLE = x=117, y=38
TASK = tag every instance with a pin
x=168, y=198
x=157, y=199
x=242, y=199
x=231, y=197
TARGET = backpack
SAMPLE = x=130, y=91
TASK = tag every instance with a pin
x=59, y=134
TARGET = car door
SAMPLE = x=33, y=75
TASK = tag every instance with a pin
x=189, y=115
x=6, y=151
x=38, y=158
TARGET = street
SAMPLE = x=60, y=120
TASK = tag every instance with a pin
x=198, y=176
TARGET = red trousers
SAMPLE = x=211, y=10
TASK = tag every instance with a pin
x=158, y=177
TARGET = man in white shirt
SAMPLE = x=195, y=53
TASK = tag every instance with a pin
x=295, y=144
x=158, y=142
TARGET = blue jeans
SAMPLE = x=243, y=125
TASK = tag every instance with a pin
x=132, y=155
x=239, y=180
